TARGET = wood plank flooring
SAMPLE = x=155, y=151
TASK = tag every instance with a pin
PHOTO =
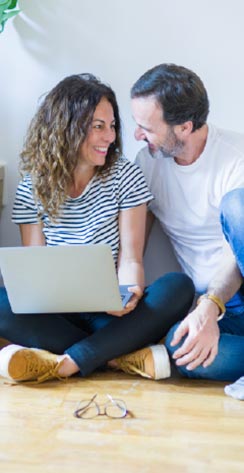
x=178, y=426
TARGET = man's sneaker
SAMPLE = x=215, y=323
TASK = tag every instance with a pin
x=150, y=362
x=28, y=364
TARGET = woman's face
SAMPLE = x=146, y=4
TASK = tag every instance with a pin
x=101, y=134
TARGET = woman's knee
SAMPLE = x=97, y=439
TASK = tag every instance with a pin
x=178, y=284
x=184, y=291
x=170, y=295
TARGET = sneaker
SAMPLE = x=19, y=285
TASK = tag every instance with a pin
x=150, y=362
x=4, y=342
x=28, y=364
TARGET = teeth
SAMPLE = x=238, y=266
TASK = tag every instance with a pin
x=99, y=148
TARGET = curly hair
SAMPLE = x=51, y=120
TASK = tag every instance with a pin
x=179, y=91
x=56, y=132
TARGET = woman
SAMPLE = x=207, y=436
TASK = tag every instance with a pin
x=77, y=189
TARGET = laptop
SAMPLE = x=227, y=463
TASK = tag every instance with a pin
x=62, y=279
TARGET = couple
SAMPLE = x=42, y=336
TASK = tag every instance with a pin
x=195, y=187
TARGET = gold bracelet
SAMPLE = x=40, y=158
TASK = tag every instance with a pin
x=217, y=301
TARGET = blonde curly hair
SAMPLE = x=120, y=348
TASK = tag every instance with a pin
x=59, y=127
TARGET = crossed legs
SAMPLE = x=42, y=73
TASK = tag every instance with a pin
x=91, y=340
x=229, y=363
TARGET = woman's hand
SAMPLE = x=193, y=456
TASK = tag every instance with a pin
x=130, y=259
x=131, y=305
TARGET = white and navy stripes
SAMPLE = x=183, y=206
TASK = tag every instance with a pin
x=93, y=216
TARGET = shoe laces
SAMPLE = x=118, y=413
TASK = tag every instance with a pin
x=41, y=365
x=136, y=364
x=51, y=374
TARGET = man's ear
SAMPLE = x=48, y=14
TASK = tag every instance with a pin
x=184, y=129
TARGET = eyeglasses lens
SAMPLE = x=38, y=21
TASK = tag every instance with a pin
x=87, y=411
x=116, y=409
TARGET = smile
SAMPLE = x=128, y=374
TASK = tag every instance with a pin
x=101, y=149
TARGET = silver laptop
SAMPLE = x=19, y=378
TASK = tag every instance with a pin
x=41, y=279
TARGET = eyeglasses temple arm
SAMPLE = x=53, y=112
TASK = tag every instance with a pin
x=84, y=409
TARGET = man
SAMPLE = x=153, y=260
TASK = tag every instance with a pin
x=196, y=173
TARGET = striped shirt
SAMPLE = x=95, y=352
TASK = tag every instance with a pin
x=93, y=216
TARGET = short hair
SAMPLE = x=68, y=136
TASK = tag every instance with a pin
x=178, y=90
x=59, y=127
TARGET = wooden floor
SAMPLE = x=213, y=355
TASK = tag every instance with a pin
x=179, y=426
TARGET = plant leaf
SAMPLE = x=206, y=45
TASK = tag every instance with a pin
x=5, y=16
x=10, y=14
x=2, y=24
x=12, y=5
x=5, y=13
x=5, y=4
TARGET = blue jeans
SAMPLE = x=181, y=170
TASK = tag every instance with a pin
x=94, y=339
x=229, y=362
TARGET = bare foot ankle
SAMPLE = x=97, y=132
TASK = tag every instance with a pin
x=68, y=366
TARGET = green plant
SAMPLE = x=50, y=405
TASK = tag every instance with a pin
x=7, y=10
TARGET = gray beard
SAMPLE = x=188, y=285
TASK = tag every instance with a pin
x=159, y=153
x=163, y=153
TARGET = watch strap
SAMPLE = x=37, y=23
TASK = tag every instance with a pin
x=217, y=301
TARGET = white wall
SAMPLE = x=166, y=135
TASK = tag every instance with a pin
x=118, y=41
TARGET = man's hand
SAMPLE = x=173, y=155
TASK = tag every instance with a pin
x=201, y=329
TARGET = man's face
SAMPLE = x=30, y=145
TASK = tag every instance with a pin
x=151, y=127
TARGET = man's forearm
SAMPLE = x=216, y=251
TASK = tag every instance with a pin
x=228, y=279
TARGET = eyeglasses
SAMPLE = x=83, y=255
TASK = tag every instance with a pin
x=113, y=408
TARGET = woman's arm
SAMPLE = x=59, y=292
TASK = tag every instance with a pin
x=31, y=234
x=132, y=223
x=149, y=224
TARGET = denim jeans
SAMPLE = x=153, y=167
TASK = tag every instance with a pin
x=229, y=362
x=96, y=338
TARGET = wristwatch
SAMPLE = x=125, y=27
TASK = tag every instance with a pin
x=217, y=301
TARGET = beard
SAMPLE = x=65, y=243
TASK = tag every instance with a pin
x=171, y=147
